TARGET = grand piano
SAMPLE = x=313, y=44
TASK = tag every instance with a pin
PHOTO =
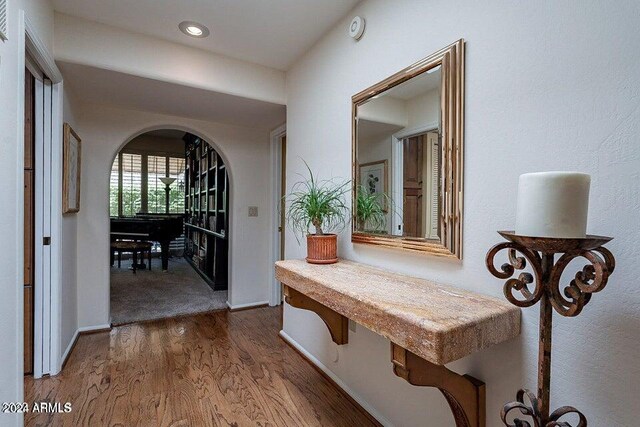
x=161, y=228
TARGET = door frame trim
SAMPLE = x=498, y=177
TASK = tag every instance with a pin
x=30, y=42
x=275, y=294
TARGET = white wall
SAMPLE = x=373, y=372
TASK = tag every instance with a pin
x=376, y=148
x=423, y=109
x=69, y=247
x=246, y=152
x=549, y=85
x=40, y=14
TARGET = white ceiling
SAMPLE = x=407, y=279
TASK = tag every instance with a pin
x=272, y=33
x=417, y=86
x=369, y=129
x=99, y=86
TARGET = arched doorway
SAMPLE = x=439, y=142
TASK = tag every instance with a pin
x=169, y=227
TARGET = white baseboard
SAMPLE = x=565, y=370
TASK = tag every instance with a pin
x=94, y=328
x=248, y=305
x=72, y=343
x=66, y=353
x=355, y=396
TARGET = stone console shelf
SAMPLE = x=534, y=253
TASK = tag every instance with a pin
x=428, y=324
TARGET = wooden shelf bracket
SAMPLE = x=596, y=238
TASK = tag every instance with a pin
x=465, y=394
x=338, y=324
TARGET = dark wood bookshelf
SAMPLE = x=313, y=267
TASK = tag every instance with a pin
x=206, y=224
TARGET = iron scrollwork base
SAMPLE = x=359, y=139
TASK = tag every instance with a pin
x=543, y=285
x=529, y=408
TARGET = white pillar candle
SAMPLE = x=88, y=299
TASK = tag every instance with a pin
x=553, y=204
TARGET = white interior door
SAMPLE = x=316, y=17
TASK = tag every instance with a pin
x=42, y=247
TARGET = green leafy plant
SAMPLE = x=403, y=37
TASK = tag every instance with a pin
x=370, y=212
x=317, y=203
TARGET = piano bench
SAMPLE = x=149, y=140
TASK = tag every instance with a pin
x=121, y=246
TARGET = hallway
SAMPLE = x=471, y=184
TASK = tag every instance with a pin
x=222, y=368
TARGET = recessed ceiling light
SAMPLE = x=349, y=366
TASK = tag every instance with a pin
x=193, y=29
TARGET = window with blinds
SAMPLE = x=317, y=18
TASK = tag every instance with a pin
x=156, y=195
x=114, y=188
x=135, y=184
x=176, y=169
x=131, y=184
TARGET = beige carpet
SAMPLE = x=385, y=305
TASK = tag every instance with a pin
x=150, y=295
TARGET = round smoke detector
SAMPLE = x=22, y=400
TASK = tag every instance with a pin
x=356, y=28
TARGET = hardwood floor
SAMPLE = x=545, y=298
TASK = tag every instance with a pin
x=216, y=369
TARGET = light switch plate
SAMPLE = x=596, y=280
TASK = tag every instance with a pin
x=253, y=211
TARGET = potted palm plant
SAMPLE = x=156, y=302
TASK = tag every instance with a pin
x=318, y=205
x=370, y=215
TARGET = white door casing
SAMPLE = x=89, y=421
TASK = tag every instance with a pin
x=275, y=296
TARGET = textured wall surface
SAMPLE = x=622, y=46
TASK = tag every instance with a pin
x=549, y=86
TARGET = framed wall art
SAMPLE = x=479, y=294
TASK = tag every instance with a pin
x=71, y=171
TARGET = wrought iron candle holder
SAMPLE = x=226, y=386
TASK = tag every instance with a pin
x=543, y=286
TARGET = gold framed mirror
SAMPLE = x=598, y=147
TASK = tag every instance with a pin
x=407, y=151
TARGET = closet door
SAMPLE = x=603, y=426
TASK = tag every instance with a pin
x=29, y=219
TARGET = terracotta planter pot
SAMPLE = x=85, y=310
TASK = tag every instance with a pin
x=322, y=249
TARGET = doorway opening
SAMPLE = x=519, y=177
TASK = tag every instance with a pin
x=419, y=161
x=279, y=189
x=415, y=159
x=168, y=203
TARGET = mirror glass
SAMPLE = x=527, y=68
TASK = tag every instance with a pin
x=398, y=156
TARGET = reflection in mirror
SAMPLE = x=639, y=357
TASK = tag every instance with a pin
x=398, y=160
